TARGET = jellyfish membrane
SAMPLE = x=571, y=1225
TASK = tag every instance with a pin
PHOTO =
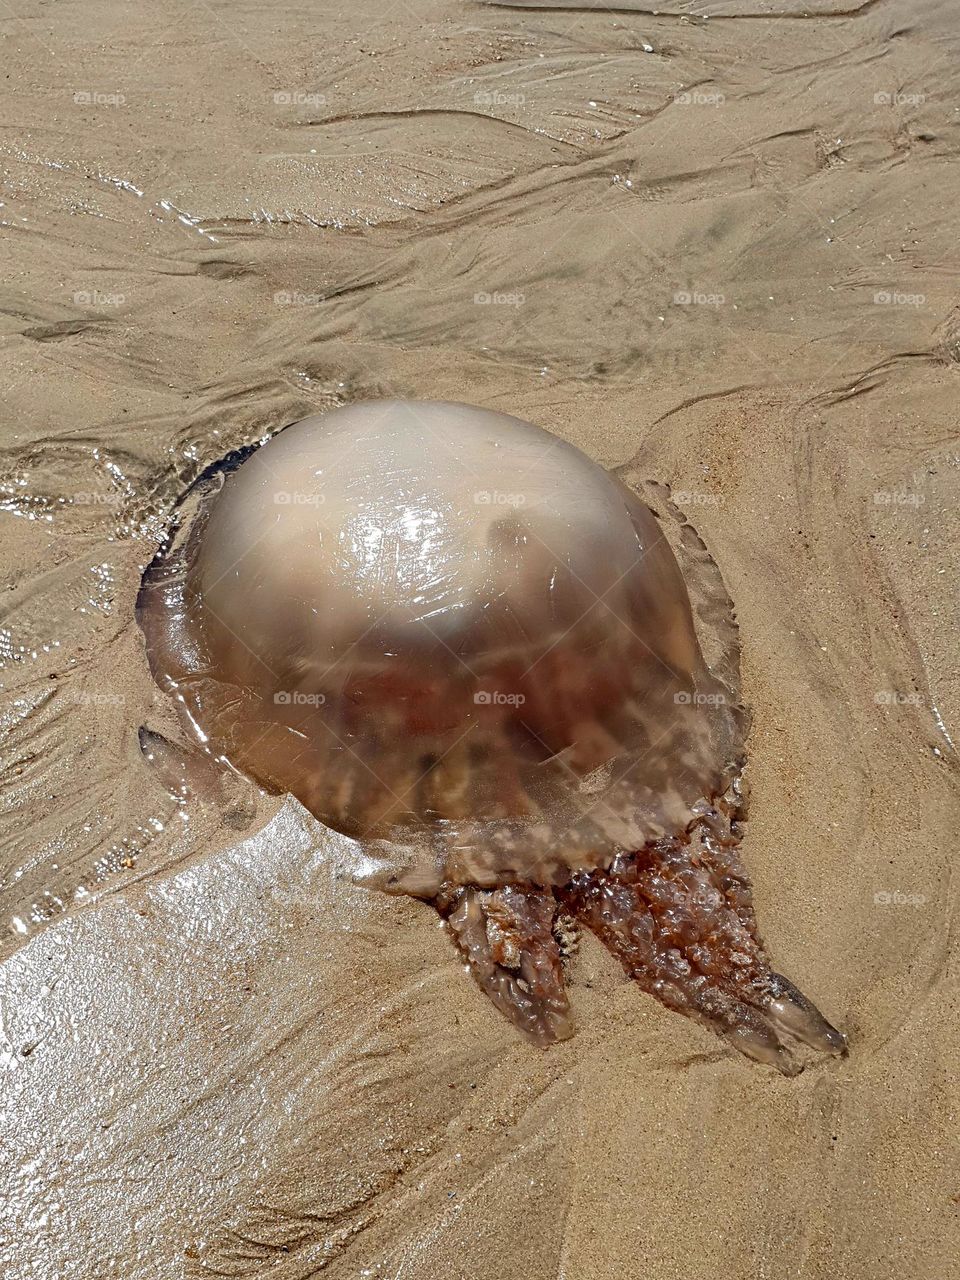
x=455, y=638
x=448, y=632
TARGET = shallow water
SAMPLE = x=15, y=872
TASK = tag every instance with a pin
x=716, y=251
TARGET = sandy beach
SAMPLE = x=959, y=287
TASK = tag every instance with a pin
x=717, y=247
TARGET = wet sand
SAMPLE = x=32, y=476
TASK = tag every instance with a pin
x=716, y=247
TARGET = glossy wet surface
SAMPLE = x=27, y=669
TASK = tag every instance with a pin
x=716, y=252
x=511, y=712
x=448, y=630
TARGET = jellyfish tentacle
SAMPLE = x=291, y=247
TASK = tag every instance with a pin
x=791, y=1011
x=685, y=935
x=624, y=919
x=507, y=937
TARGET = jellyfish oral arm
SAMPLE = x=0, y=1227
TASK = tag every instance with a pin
x=679, y=917
x=508, y=940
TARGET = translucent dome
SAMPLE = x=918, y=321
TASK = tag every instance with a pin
x=451, y=633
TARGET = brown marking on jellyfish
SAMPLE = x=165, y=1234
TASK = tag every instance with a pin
x=457, y=638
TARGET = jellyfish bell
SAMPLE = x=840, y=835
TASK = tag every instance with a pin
x=444, y=628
